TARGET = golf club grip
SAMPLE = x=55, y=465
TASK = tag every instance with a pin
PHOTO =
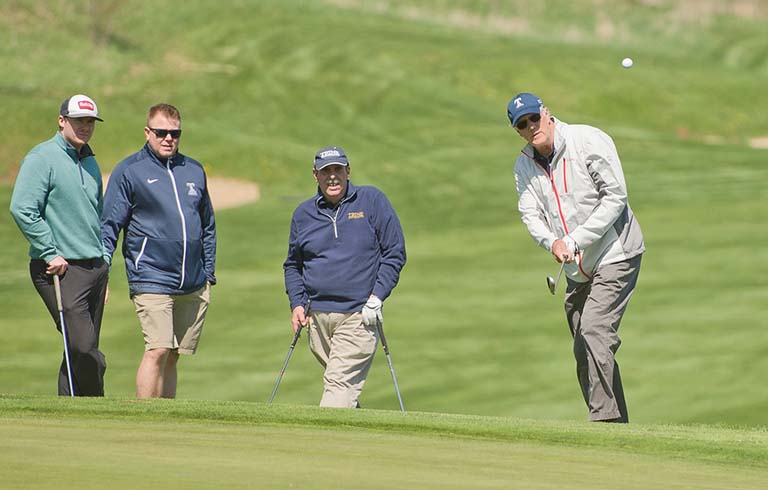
x=57, y=287
x=384, y=345
x=296, y=335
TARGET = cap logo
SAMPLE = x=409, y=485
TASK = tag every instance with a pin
x=518, y=103
x=330, y=153
x=85, y=105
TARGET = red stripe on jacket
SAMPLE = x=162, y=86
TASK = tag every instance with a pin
x=560, y=208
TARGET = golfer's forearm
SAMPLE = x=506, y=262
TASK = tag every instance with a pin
x=38, y=234
x=602, y=218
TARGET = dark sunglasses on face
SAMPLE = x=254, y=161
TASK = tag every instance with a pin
x=162, y=133
x=523, y=123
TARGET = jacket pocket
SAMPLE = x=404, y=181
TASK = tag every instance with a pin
x=154, y=260
x=194, y=267
x=140, y=254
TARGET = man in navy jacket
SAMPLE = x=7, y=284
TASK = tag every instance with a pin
x=159, y=197
x=345, y=254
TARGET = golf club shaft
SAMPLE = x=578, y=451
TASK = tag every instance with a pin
x=562, y=266
x=60, y=307
x=389, y=361
x=285, y=364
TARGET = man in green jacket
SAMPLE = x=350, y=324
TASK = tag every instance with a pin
x=57, y=203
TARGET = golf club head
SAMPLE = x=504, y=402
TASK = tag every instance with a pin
x=551, y=284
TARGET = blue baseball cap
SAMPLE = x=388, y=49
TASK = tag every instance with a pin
x=522, y=104
x=330, y=155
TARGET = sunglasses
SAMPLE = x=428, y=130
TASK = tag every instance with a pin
x=162, y=133
x=523, y=123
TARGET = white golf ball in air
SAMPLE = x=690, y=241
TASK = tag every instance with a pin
x=627, y=62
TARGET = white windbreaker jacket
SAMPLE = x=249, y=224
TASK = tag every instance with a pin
x=584, y=197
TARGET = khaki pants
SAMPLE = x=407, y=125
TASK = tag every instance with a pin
x=594, y=310
x=345, y=347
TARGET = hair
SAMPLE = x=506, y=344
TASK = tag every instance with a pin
x=167, y=109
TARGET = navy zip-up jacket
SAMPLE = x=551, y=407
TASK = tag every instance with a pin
x=338, y=257
x=169, y=241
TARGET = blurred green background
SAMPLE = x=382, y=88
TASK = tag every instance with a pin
x=416, y=91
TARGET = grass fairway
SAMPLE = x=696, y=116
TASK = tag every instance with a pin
x=59, y=443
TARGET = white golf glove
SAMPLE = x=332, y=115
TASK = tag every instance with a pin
x=572, y=245
x=372, y=312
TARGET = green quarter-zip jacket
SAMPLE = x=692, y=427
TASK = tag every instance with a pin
x=57, y=201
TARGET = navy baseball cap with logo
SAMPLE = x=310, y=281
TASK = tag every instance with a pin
x=330, y=155
x=522, y=104
x=80, y=106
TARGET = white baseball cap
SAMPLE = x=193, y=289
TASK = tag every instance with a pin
x=80, y=106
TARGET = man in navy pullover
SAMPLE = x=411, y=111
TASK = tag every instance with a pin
x=345, y=254
x=159, y=197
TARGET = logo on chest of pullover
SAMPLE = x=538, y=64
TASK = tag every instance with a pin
x=356, y=215
x=191, y=191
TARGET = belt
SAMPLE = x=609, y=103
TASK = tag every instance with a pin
x=94, y=262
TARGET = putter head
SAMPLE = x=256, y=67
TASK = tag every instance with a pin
x=551, y=284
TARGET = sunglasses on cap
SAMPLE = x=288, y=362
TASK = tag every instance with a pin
x=162, y=133
x=523, y=123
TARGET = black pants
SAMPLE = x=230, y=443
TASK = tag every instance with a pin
x=83, y=287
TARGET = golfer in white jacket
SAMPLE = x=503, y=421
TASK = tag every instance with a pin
x=573, y=199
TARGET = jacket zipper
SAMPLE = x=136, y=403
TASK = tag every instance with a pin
x=333, y=221
x=560, y=208
x=335, y=230
x=557, y=198
x=333, y=218
x=183, y=224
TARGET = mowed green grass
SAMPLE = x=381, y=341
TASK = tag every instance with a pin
x=202, y=444
x=419, y=106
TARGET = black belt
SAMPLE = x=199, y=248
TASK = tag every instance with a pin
x=95, y=262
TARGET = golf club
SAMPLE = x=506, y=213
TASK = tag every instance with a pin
x=552, y=283
x=57, y=287
x=285, y=364
x=389, y=361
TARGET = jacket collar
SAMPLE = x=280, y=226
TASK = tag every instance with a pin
x=560, y=130
x=177, y=159
x=85, y=151
x=321, y=202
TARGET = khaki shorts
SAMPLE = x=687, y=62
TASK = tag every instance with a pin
x=172, y=321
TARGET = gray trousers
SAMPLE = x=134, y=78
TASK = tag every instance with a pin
x=594, y=310
x=83, y=288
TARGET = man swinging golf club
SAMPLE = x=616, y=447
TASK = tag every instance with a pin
x=573, y=199
x=345, y=254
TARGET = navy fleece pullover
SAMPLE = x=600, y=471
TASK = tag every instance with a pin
x=338, y=256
